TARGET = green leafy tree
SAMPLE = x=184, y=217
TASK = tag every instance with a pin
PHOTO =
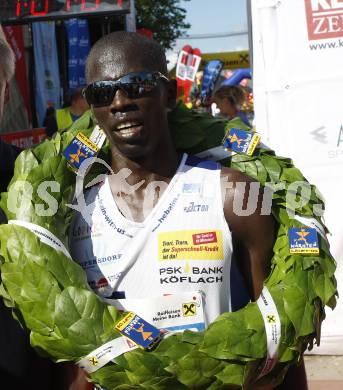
x=165, y=18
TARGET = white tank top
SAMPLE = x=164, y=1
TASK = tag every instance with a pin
x=183, y=245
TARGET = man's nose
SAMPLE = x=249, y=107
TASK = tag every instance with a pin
x=120, y=101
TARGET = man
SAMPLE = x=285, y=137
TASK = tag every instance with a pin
x=8, y=153
x=130, y=95
x=78, y=106
x=63, y=118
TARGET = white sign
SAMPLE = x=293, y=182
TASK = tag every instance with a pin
x=298, y=83
x=193, y=67
x=182, y=64
x=173, y=312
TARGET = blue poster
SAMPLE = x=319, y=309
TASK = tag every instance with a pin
x=79, y=47
x=211, y=73
x=47, y=73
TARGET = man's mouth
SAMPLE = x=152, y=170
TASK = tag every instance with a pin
x=129, y=129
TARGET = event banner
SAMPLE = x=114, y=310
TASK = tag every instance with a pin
x=298, y=83
x=26, y=138
x=16, y=112
x=231, y=60
x=78, y=49
x=15, y=38
x=211, y=74
x=46, y=68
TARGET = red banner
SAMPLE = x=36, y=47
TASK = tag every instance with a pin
x=25, y=139
x=324, y=19
x=14, y=36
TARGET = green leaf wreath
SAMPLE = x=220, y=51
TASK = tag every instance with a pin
x=50, y=296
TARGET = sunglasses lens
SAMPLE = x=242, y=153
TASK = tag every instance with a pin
x=135, y=86
x=137, y=90
x=100, y=94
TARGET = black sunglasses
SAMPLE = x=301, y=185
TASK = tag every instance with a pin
x=135, y=85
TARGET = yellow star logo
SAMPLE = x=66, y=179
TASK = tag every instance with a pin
x=145, y=335
x=75, y=157
x=302, y=236
x=233, y=138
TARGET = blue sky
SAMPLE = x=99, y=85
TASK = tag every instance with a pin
x=215, y=16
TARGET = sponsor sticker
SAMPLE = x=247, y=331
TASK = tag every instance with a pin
x=324, y=19
x=241, y=141
x=190, y=245
x=104, y=354
x=138, y=330
x=170, y=312
x=303, y=240
x=98, y=136
x=189, y=309
x=204, y=238
x=80, y=148
x=192, y=188
x=272, y=325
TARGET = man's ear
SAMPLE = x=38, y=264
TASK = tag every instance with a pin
x=7, y=93
x=172, y=88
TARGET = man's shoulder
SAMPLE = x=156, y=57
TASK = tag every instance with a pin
x=8, y=154
x=239, y=193
x=235, y=176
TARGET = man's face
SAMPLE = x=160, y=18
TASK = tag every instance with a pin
x=136, y=127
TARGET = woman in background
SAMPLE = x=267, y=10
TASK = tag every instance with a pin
x=229, y=100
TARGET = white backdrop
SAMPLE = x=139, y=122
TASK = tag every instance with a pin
x=298, y=99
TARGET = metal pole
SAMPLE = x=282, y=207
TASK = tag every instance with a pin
x=130, y=19
x=250, y=40
x=215, y=35
x=32, y=80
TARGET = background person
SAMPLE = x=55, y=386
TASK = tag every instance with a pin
x=62, y=118
x=20, y=366
x=229, y=100
x=8, y=153
x=78, y=106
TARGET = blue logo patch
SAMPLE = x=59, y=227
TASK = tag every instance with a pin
x=241, y=141
x=303, y=240
x=78, y=150
x=191, y=188
x=138, y=330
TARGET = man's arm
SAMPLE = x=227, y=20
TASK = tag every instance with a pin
x=253, y=235
x=253, y=238
x=8, y=154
